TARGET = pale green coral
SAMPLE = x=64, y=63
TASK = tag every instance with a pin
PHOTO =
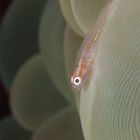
x=109, y=106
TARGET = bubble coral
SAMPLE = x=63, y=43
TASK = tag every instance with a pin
x=108, y=105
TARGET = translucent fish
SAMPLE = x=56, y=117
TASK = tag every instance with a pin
x=85, y=60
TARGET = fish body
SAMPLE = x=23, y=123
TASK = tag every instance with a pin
x=87, y=53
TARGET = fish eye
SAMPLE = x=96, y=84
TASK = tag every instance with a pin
x=77, y=80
